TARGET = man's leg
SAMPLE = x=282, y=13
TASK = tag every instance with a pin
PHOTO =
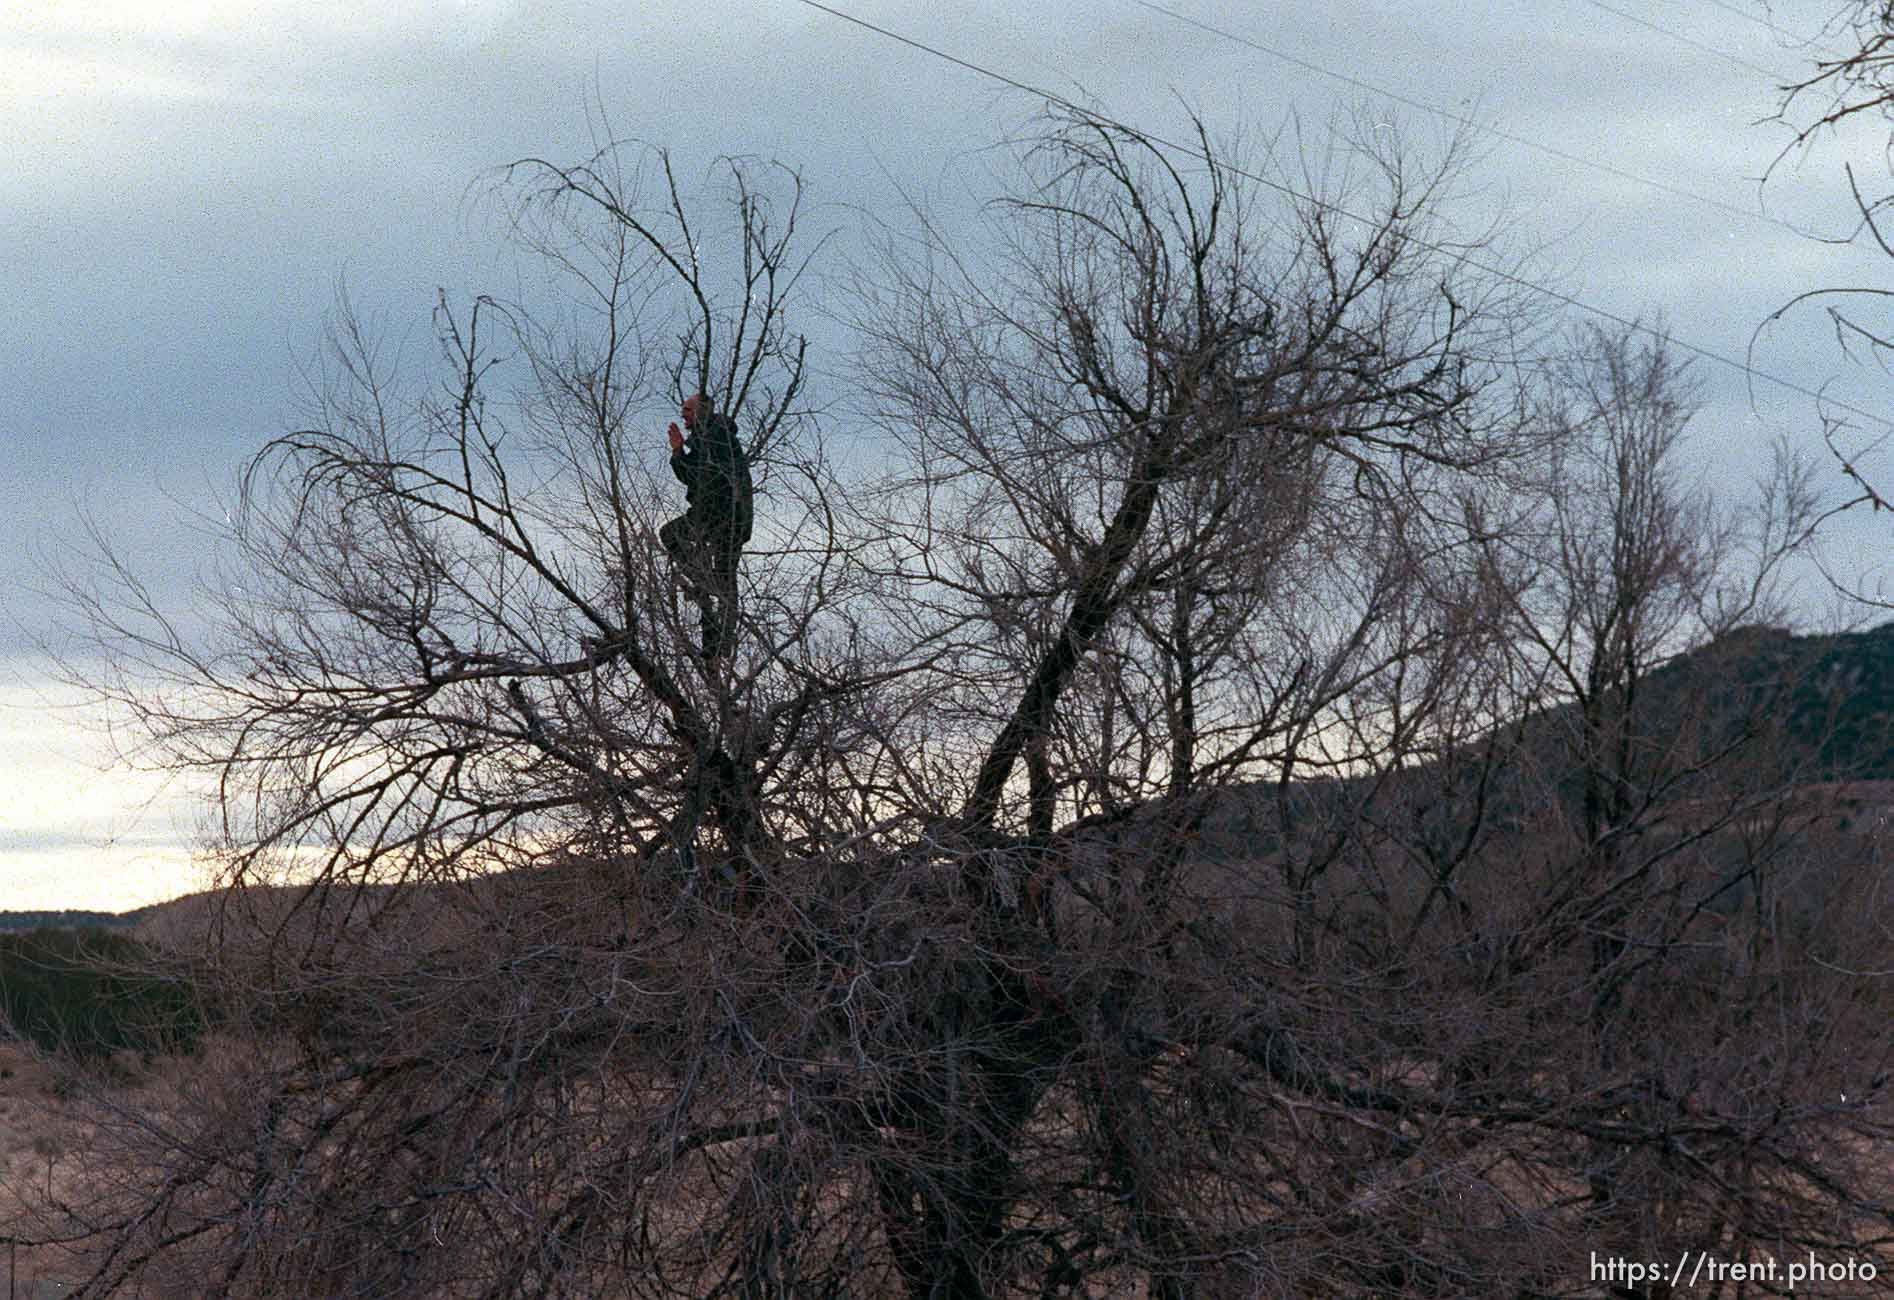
x=676, y=539
x=683, y=544
x=720, y=610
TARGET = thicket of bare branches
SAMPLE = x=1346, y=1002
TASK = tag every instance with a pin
x=1212, y=820
x=1857, y=84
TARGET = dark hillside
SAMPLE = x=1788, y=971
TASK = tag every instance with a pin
x=1812, y=710
x=69, y=919
x=1836, y=693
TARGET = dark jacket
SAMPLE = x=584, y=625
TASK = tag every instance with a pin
x=716, y=478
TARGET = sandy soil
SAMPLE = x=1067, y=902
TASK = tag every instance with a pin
x=38, y=1136
x=42, y=1140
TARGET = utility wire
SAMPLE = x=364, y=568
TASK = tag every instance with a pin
x=1765, y=23
x=1693, y=43
x=1454, y=255
x=1473, y=123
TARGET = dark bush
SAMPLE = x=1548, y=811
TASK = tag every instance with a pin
x=92, y=992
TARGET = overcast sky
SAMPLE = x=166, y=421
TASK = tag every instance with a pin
x=189, y=184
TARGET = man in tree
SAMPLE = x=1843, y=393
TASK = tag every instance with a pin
x=706, y=540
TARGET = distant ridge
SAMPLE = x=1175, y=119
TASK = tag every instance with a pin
x=1832, y=693
x=70, y=919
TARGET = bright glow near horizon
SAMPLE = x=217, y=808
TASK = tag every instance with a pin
x=75, y=831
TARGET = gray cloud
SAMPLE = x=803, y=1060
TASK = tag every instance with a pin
x=184, y=193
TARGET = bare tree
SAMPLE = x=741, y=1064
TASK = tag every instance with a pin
x=1133, y=843
x=1668, y=794
x=1853, y=86
x=1146, y=459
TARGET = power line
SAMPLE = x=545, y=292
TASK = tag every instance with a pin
x=1764, y=23
x=1455, y=255
x=1693, y=43
x=1473, y=123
